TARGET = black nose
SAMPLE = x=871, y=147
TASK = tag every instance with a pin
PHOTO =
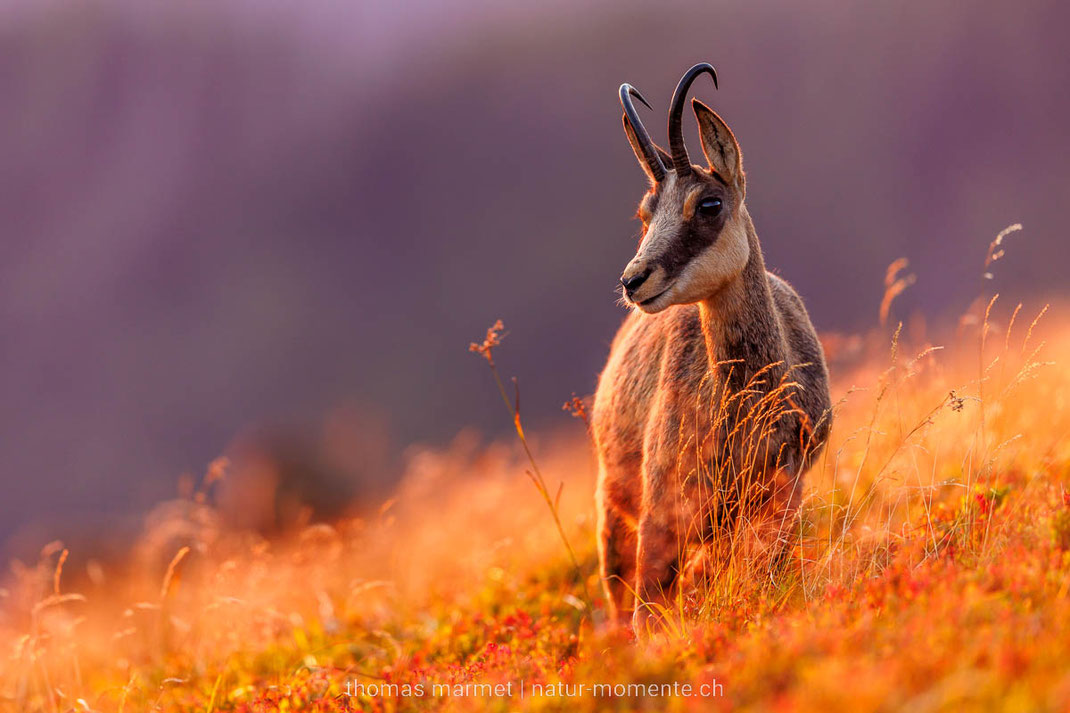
x=633, y=283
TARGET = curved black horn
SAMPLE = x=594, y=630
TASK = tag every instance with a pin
x=681, y=163
x=650, y=154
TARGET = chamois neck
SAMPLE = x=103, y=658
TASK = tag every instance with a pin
x=740, y=322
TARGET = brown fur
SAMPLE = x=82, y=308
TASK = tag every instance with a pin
x=674, y=415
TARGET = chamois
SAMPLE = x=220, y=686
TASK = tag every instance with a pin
x=714, y=400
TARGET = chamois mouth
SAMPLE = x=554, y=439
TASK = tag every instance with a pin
x=649, y=304
x=652, y=300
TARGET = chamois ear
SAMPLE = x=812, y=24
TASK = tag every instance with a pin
x=720, y=145
x=666, y=159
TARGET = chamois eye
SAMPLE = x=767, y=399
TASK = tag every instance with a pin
x=710, y=207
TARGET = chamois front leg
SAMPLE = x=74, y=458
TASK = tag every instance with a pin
x=657, y=568
x=662, y=524
x=616, y=546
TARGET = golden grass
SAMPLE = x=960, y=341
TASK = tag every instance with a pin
x=930, y=570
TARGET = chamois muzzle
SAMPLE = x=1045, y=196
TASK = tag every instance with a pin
x=680, y=161
x=633, y=283
x=650, y=154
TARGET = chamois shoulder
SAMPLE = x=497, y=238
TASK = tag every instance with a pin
x=795, y=320
x=804, y=347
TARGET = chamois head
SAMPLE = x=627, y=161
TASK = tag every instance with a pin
x=694, y=226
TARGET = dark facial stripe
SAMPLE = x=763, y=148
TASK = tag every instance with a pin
x=692, y=238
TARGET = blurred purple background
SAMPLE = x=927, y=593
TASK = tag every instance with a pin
x=247, y=217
